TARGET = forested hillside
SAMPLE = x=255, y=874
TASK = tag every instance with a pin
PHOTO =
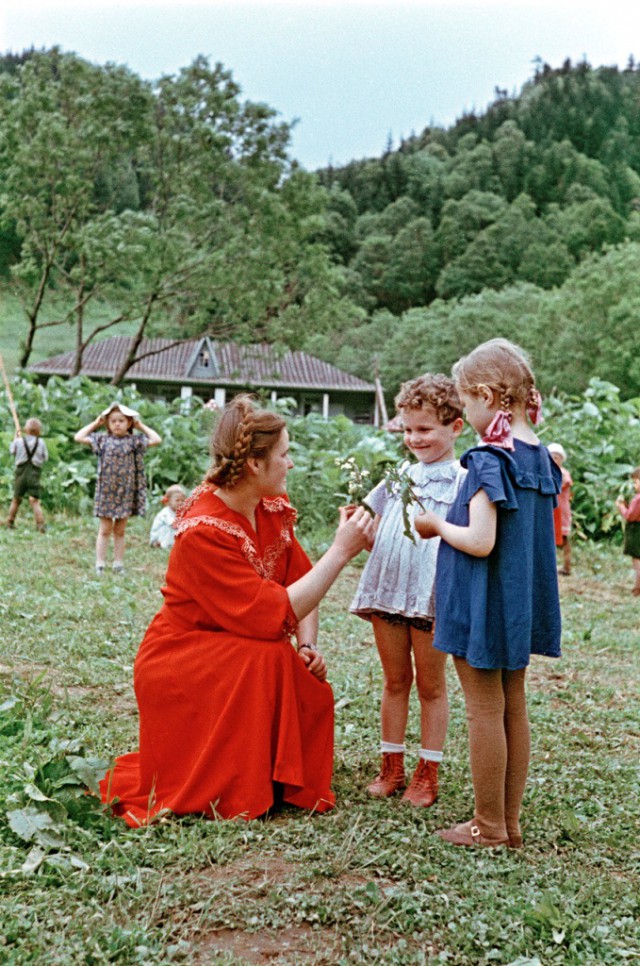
x=176, y=205
x=522, y=221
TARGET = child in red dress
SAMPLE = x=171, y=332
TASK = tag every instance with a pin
x=631, y=514
x=562, y=513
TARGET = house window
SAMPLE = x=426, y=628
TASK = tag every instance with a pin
x=204, y=359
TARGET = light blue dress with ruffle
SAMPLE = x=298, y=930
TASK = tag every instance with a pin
x=399, y=575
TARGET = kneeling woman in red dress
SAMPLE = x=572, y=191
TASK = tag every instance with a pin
x=228, y=706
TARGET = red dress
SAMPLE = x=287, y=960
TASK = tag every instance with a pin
x=226, y=705
x=562, y=512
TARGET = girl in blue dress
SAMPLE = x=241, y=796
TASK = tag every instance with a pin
x=497, y=595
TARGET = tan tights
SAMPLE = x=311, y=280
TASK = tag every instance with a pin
x=499, y=746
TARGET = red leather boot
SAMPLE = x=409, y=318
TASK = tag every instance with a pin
x=423, y=788
x=391, y=778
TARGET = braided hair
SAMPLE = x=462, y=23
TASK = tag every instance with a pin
x=244, y=431
x=502, y=366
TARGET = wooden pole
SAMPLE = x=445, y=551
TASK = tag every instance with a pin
x=382, y=407
x=12, y=405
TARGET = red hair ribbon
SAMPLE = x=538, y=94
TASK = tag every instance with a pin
x=499, y=431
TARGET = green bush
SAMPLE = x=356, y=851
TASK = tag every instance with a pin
x=601, y=434
x=64, y=406
x=335, y=461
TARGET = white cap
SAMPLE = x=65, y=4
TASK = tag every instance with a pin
x=557, y=448
x=125, y=410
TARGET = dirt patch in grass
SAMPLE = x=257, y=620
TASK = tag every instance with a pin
x=291, y=944
x=253, y=883
x=120, y=697
x=249, y=882
x=593, y=590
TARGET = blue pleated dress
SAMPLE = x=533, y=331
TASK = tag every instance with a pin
x=496, y=611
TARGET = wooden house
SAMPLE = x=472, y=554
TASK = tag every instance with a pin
x=219, y=370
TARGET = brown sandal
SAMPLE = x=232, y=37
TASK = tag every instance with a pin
x=468, y=834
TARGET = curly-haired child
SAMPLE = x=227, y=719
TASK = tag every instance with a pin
x=396, y=589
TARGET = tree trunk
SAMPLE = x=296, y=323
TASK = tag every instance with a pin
x=80, y=346
x=27, y=346
x=131, y=357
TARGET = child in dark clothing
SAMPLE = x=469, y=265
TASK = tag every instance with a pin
x=29, y=452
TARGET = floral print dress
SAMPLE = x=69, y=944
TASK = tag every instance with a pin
x=121, y=486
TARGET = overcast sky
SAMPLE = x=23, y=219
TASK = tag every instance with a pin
x=354, y=72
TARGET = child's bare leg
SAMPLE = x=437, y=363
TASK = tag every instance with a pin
x=105, y=529
x=394, y=647
x=516, y=726
x=636, y=567
x=432, y=690
x=13, y=511
x=566, y=555
x=485, y=708
x=38, y=515
x=119, y=527
x=434, y=717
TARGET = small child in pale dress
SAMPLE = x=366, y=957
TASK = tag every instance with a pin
x=396, y=589
x=162, y=533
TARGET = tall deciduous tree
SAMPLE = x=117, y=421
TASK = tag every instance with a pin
x=175, y=199
x=64, y=124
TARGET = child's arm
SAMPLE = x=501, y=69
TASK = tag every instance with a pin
x=631, y=511
x=82, y=436
x=152, y=436
x=477, y=539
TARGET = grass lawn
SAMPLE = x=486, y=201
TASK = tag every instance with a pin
x=367, y=883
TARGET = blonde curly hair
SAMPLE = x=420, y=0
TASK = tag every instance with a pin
x=435, y=391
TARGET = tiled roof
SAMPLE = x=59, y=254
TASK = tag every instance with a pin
x=238, y=365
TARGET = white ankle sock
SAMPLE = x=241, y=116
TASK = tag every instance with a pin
x=387, y=747
x=428, y=755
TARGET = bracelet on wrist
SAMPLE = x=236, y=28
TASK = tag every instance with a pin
x=309, y=647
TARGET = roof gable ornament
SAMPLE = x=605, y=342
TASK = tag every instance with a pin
x=203, y=362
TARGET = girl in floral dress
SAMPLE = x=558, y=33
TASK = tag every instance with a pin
x=121, y=484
